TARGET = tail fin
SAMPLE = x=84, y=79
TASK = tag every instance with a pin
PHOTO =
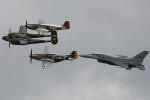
x=74, y=54
x=141, y=55
x=22, y=30
x=66, y=25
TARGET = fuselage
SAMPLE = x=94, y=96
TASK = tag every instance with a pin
x=49, y=57
x=124, y=62
x=109, y=60
x=23, y=38
x=43, y=27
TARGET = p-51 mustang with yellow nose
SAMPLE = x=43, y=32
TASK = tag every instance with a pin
x=52, y=58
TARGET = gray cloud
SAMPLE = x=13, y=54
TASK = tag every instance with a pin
x=101, y=26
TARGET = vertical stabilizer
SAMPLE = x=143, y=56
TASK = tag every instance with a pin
x=22, y=30
x=141, y=55
x=66, y=25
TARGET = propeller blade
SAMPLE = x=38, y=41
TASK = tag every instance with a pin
x=9, y=31
x=9, y=44
x=9, y=37
x=31, y=57
x=26, y=24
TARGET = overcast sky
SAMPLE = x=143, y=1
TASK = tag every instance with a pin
x=113, y=27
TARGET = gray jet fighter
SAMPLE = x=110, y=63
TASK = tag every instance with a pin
x=122, y=61
x=24, y=38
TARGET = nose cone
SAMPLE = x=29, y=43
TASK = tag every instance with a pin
x=33, y=56
x=6, y=38
x=28, y=26
x=93, y=56
x=30, y=56
x=86, y=55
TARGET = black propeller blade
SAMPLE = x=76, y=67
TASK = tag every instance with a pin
x=9, y=44
x=9, y=37
x=9, y=31
x=26, y=24
x=31, y=57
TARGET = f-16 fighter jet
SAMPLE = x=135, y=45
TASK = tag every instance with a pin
x=46, y=28
x=47, y=58
x=24, y=38
x=122, y=61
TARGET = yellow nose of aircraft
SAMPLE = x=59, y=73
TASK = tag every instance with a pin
x=75, y=54
x=32, y=55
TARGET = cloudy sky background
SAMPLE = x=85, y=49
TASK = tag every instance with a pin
x=110, y=27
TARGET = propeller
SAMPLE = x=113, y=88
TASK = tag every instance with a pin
x=9, y=37
x=31, y=57
x=9, y=31
x=26, y=24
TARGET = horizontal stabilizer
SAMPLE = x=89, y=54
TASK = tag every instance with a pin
x=141, y=67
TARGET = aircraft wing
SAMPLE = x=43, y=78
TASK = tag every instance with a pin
x=123, y=65
x=40, y=30
x=48, y=60
x=22, y=30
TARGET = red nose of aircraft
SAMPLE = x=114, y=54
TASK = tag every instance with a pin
x=26, y=26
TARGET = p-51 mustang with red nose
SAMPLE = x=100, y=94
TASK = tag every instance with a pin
x=52, y=58
x=46, y=28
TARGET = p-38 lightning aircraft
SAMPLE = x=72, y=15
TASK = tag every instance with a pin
x=122, y=61
x=47, y=58
x=46, y=28
x=24, y=38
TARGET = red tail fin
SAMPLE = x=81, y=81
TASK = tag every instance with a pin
x=66, y=25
